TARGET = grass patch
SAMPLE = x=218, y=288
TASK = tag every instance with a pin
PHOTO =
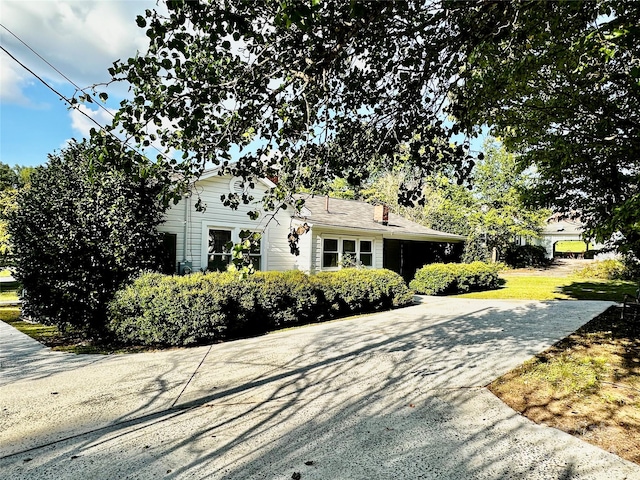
x=613, y=290
x=567, y=373
x=52, y=337
x=9, y=295
x=533, y=287
x=587, y=385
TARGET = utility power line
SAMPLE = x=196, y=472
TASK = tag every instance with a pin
x=78, y=88
x=69, y=101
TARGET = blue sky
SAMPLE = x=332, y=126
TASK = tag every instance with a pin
x=81, y=38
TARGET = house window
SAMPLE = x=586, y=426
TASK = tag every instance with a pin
x=366, y=253
x=169, y=253
x=256, y=257
x=349, y=254
x=255, y=251
x=218, y=257
x=352, y=252
x=330, y=253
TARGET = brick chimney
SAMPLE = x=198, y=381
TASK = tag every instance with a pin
x=381, y=214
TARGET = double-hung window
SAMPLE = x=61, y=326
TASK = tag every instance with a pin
x=255, y=250
x=349, y=253
x=366, y=253
x=219, y=254
x=330, y=253
x=219, y=248
x=344, y=252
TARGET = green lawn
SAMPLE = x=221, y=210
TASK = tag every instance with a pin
x=573, y=246
x=557, y=288
x=61, y=341
x=42, y=333
x=8, y=295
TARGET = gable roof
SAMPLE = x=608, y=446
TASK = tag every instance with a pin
x=213, y=172
x=356, y=216
x=563, y=227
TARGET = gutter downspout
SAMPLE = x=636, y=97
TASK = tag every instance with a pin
x=184, y=230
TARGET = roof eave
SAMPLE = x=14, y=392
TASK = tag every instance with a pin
x=213, y=172
x=400, y=235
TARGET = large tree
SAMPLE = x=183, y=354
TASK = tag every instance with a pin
x=559, y=82
x=501, y=213
x=299, y=90
x=490, y=211
x=317, y=89
x=83, y=227
x=12, y=180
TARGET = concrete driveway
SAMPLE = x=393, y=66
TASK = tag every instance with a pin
x=393, y=395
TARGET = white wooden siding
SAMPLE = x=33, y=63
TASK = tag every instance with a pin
x=548, y=241
x=279, y=254
x=318, y=234
x=304, y=260
x=276, y=254
x=275, y=250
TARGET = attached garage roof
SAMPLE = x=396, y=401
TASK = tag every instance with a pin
x=353, y=215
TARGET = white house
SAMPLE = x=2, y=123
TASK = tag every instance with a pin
x=337, y=232
x=563, y=236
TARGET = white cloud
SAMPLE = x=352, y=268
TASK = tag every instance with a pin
x=81, y=119
x=12, y=81
x=81, y=123
x=82, y=38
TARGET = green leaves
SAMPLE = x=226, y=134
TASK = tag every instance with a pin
x=85, y=225
x=203, y=308
x=331, y=86
x=562, y=89
x=315, y=82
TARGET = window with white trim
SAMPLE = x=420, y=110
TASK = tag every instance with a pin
x=255, y=251
x=218, y=252
x=365, y=254
x=337, y=252
x=349, y=254
x=330, y=253
x=219, y=244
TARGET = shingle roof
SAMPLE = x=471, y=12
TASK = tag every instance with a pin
x=355, y=215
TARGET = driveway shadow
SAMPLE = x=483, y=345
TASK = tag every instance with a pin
x=393, y=395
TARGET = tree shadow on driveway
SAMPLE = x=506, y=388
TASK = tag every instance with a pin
x=392, y=395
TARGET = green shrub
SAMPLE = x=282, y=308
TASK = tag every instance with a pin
x=285, y=298
x=353, y=290
x=521, y=256
x=84, y=227
x=605, y=269
x=171, y=310
x=448, y=278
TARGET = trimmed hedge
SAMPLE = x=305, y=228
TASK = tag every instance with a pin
x=521, y=256
x=605, y=269
x=448, y=278
x=202, y=308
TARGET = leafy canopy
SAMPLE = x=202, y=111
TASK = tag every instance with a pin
x=79, y=231
x=11, y=181
x=491, y=211
x=308, y=91
x=561, y=86
x=299, y=90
